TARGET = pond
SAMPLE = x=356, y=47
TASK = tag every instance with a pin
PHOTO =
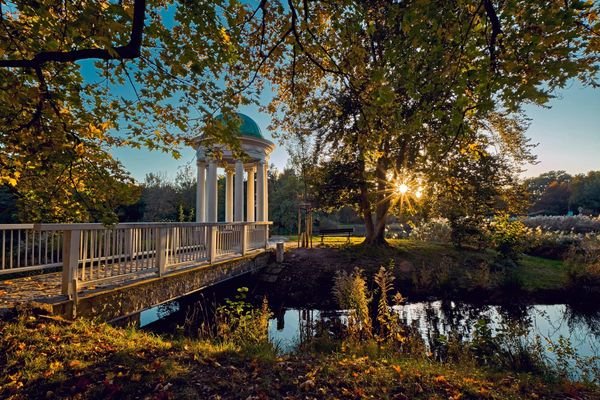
x=289, y=328
x=551, y=322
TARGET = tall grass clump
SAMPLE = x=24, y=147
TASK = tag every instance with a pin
x=374, y=327
x=351, y=293
x=583, y=265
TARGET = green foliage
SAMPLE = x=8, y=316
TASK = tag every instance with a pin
x=469, y=230
x=432, y=90
x=508, y=236
x=150, y=81
x=166, y=200
x=434, y=274
x=583, y=265
x=549, y=192
x=556, y=193
x=285, y=194
x=586, y=192
x=240, y=323
x=567, y=359
x=8, y=206
x=506, y=346
x=180, y=214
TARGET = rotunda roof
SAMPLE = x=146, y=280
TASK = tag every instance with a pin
x=248, y=127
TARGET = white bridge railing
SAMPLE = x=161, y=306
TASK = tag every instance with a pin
x=90, y=254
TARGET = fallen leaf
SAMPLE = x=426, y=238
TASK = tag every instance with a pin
x=136, y=377
x=307, y=385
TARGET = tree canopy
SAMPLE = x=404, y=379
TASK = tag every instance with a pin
x=399, y=91
x=80, y=77
x=390, y=88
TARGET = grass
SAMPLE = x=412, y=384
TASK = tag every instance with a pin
x=451, y=270
x=86, y=360
x=538, y=273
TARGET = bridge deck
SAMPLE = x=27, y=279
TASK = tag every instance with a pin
x=46, y=287
x=93, y=259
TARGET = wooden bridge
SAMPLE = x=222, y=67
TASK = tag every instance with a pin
x=112, y=272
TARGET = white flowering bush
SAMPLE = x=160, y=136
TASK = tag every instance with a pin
x=545, y=241
x=564, y=223
x=434, y=230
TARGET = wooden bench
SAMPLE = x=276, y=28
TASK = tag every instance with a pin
x=335, y=232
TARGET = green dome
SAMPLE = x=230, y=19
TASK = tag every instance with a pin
x=247, y=126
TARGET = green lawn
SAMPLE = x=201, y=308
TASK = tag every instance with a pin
x=465, y=268
x=540, y=273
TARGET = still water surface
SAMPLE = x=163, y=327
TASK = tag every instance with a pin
x=290, y=327
x=550, y=322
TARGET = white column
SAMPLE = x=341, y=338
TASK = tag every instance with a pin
x=229, y=195
x=260, y=190
x=250, y=196
x=212, y=191
x=201, y=192
x=266, y=190
x=238, y=204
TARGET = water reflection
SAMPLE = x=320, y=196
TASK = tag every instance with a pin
x=292, y=327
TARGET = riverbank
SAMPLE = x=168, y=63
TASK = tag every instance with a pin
x=48, y=359
x=422, y=270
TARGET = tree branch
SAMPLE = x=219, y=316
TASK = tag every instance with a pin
x=496, y=29
x=129, y=51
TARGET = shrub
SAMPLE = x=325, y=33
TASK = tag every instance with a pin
x=508, y=236
x=555, y=245
x=434, y=230
x=506, y=346
x=468, y=230
x=584, y=269
x=240, y=323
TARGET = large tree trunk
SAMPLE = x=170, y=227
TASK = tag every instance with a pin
x=376, y=235
x=377, y=238
x=365, y=204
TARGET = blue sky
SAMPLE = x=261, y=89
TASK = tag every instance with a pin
x=567, y=134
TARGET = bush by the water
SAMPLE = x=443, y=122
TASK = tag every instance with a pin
x=584, y=269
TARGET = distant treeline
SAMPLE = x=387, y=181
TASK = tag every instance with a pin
x=164, y=199
x=559, y=193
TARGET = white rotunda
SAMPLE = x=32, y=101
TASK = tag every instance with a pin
x=253, y=169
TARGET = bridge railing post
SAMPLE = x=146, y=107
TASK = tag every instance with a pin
x=161, y=250
x=212, y=243
x=266, y=230
x=71, y=242
x=244, y=241
x=129, y=244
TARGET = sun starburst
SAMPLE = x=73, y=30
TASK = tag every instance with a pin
x=402, y=188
